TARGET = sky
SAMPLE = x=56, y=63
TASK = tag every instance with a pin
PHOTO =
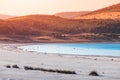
x=26, y=7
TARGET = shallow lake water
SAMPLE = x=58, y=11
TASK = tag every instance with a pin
x=100, y=49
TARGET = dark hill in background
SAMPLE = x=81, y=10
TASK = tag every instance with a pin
x=2, y=16
x=49, y=28
x=71, y=15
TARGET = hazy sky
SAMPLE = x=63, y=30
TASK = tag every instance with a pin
x=25, y=7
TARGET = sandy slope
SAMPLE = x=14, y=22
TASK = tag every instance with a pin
x=81, y=64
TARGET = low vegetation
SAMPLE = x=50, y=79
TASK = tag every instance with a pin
x=7, y=66
x=12, y=66
x=15, y=66
x=42, y=69
x=50, y=70
x=93, y=73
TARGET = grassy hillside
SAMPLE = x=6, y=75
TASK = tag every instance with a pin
x=49, y=27
x=111, y=12
x=48, y=23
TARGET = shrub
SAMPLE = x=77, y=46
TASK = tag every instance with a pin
x=50, y=70
x=93, y=73
x=65, y=72
x=112, y=59
x=28, y=68
x=15, y=66
x=7, y=66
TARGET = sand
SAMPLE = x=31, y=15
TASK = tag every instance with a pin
x=107, y=67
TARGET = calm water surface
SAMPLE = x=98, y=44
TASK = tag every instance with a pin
x=101, y=49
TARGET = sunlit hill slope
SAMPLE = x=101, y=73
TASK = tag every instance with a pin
x=111, y=12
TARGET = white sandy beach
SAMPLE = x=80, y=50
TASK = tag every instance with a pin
x=107, y=67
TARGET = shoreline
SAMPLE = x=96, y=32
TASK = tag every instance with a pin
x=65, y=53
x=16, y=45
x=81, y=64
x=61, y=41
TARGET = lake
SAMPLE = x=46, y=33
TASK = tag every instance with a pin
x=99, y=49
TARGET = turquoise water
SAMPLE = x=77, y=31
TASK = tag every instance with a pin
x=99, y=49
x=109, y=46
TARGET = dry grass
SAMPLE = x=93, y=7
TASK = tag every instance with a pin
x=7, y=66
x=15, y=66
x=93, y=73
x=50, y=70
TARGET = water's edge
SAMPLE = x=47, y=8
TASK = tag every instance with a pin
x=67, y=49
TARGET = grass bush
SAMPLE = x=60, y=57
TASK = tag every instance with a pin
x=93, y=73
x=28, y=68
x=15, y=66
x=50, y=70
x=7, y=66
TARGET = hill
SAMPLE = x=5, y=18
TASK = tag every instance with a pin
x=111, y=12
x=2, y=16
x=50, y=28
x=71, y=15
